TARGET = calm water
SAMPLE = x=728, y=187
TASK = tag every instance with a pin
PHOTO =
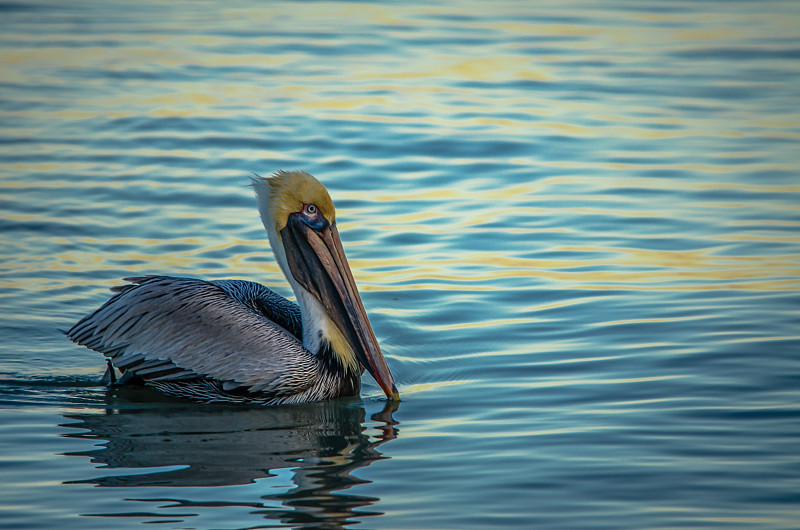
x=576, y=228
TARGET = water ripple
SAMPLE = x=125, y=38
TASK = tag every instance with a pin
x=573, y=227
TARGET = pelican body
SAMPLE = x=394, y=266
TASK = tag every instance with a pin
x=237, y=341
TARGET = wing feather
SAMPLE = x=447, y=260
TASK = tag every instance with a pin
x=163, y=328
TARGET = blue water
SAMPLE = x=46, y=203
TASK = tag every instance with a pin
x=575, y=227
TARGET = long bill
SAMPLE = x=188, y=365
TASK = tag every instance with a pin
x=317, y=261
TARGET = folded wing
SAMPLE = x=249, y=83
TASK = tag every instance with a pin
x=169, y=330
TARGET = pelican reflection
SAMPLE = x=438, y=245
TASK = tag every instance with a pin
x=183, y=445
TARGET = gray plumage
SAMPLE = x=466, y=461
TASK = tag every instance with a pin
x=211, y=341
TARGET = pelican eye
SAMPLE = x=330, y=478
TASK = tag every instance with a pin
x=312, y=216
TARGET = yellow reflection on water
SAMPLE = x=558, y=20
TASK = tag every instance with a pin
x=692, y=318
x=427, y=387
x=631, y=268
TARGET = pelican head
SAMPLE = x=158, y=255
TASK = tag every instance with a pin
x=300, y=220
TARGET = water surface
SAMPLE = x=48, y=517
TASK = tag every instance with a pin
x=574, y=227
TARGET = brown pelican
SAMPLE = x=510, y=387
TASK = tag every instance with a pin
x=238, y=341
